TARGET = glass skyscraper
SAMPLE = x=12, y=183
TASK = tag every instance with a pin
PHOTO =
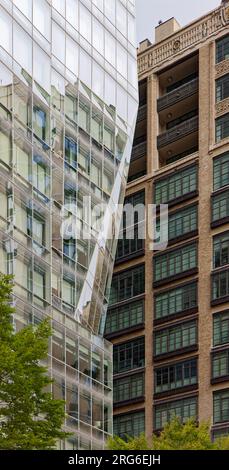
x=68, y=105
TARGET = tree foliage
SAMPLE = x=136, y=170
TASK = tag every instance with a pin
x=30, y=418
x=175, y=436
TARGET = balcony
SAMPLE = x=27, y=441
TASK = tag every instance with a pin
x=142, y=113
x=139, y=150
x=178, y=132
x=175, y=96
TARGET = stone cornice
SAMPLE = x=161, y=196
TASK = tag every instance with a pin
x=188, y=37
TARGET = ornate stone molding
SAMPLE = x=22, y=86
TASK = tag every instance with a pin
x=222, y=107
x=188, y=37
x=222, y=68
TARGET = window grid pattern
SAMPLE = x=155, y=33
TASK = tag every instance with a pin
x=221, y=329
x=220, y=285
x=128, y=356
x=127, y=284
x=183, y=409
x=221, y=407
x=222, y=88
x=221, y=171
x=221, y=250
x=176, y=376
x=124, y=317
x=177, y=185
x=222, y=127
x=220, y=206
x=222, y=49
x=175, y=338
x=182, y=223
x=174, y=263
x=129, y=388
x=129, y=425
x=220, y=364
x=176, y=301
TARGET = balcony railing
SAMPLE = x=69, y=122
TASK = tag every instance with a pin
x=139, y=151
x=178, y=132
x=175, y=96
x=142, y=113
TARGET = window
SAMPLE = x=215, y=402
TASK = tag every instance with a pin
x=132, y=424
x=41, y=68
x=124, y=317
x=221, y=250
x=221, y=406
x=175, y=376
x=41, y=17
x=128, y=356
x=85, y=23
x=84, y=116
x=37, y=282
x=70, y=152
x=179, y=184
x=220, y=206
x=221, y=328
x=58, y=42
x=222, y=88
x=68, y=291
x=5, y=31
x=222, y=49
x=130, y=243
x=220, y=285
x=220, y=364
x=176, y=301
x=222, y=127
x=176, y=262
x=127, y=284
x=69, y=248
x=40, y=176
x=72, y=55
x=221, y=171
x=129, y=388
x=72, y=12
x=22, y=48
x=182, y=222
x=184, y=409
x=39, y=123
x=71, y=108
x=36, y=228
x=175, y=338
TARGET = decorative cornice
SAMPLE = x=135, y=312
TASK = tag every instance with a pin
x=222, y=107
x=157, y=54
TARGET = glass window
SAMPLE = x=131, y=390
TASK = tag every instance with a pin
x=84, y=116
x=220, y=206
x=222, y=49
x=222, y=88
x=179, y=184
x=221, y=171
x=222, y=127
x=130, y=355
x=175, y=338
x=132, y=424
x=40, y=175
x=174, y=263
x=110, y=48
x=5, y=31
x=72, y=12
x=220, y=364
x=220, y=286
x=85, y=68
x=183, y=409
x=128, y=316
x=98, y=36
x=58, y=42
x=181, y=223
x=109, y=6
x=25, y=6
x=85, y=23
x=127, y=284
x=22, y=48
x=59, y=5
x=41, y=68
x=72, y=55
x=221, y=328
x=68, y=291
x=129, y=388
x=176, y=301
x=221, y=250
x=121, y=18
x=41, y=17
x=5, y=148
x=176, y=376
x=122, y=60
x=70, y=152
x=36, y=228
x=221, y=406
x=40, y=125
x=22, y=162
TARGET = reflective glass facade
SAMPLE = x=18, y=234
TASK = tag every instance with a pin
x=68, y=105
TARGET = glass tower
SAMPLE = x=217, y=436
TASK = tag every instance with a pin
x=68, y=105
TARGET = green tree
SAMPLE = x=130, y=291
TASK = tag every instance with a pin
x=30, y=418
x=175, y=436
